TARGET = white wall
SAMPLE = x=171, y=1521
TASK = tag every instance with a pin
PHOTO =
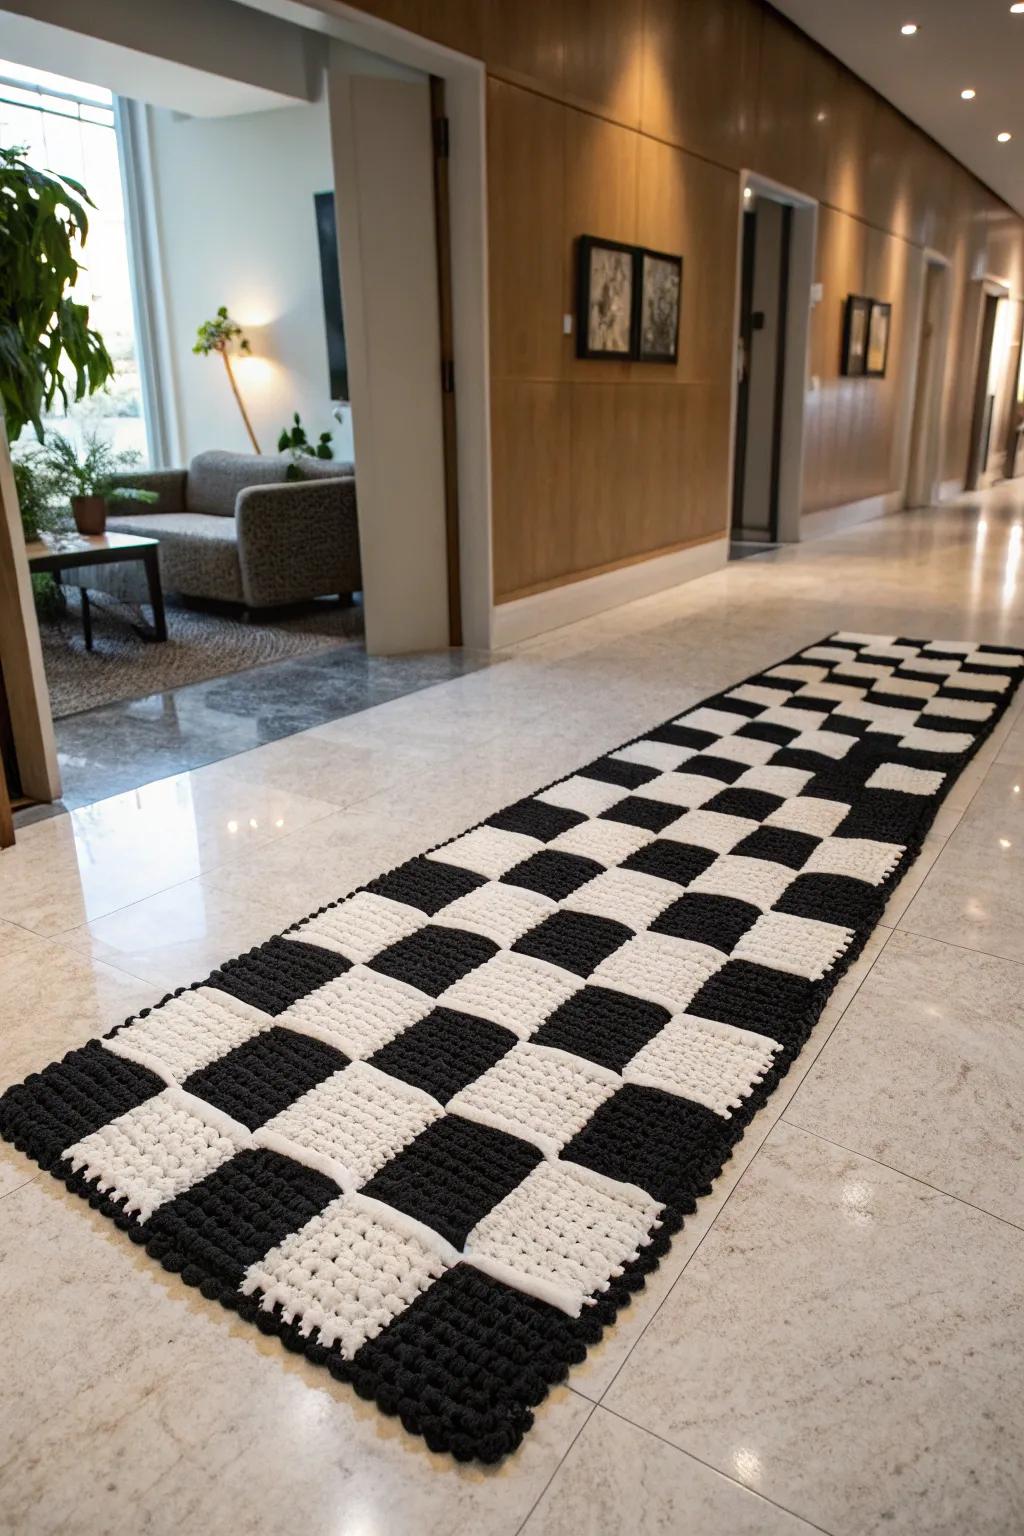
x=234, y=210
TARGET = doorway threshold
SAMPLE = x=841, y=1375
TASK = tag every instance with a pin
x=741, y=549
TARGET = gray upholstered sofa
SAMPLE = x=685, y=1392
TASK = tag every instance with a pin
x=232, y=528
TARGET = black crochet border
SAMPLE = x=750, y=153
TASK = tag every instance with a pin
x=567, y=1339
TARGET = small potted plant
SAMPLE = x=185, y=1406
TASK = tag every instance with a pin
x=293, y=441
x=84, y=476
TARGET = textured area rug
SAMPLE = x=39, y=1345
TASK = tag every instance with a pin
x=199, y=645
x=435, y=1135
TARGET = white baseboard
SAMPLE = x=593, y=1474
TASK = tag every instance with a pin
x=950, y=488
x=817, y=525
x=528, y=616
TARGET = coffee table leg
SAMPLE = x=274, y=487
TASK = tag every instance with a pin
x=86, y=619
x=156, y=594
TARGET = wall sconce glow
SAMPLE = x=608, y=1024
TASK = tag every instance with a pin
x=747, y=194
x=1018, y=8
x=1004, y=138
x=968, y=94
x=909, y=28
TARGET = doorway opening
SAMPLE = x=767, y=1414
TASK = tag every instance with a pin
x=986, y=456
x=925, y=456
x=776, y=257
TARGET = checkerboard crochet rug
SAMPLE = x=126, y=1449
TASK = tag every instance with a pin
x=435, y=1135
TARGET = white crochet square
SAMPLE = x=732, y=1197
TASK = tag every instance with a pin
x=955, y=647
x=714, y=1064
x=1005, y=663
x=884, y=717
x=871, y=670
x=625, y=895
x=660, y=968
x=609, y=842
x=793, y=719
x=346, y=1274
x=488, y=851
x=921, y=740
x=563, y=1233
x=362, y=926
x=358, y=1012
x=826, y=653
x=775, y=781
x=686, y=789
x=911, y=687
x=746, y=749
x=590, y=796
x=352, y=1123
x=758, y=881
x=655, y=754
x=720, y=722
x=798, y=672
x=188, y=1032
x=750, y=693
x=544, y=1096
x=517, y=991
x=909, y=781
x=938, y=667
x=860, y=857
x=500, y=912
x=825, y=743
x=808, y=813
x=978, y=682
x=152, y=1153
x=710, y=829
x=802, y=945
x=890, y=652
x=958, y=709
x=854, y=637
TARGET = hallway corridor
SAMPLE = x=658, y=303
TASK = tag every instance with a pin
x=835, y=1342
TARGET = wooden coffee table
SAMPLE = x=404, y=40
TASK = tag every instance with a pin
x=68, y=551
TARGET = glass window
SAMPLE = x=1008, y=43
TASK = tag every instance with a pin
x=68, y=126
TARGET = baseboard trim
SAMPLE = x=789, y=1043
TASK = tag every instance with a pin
x=817, y=525
x=950, y=488
x=525, y=617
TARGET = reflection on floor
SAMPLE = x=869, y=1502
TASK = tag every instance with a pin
x=122, y=746
x=835, y=1343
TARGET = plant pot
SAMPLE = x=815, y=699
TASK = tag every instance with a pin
x=90, y=513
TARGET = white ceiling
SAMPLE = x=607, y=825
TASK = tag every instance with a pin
x=959, y=43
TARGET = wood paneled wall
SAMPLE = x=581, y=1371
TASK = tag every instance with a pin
x=632, y=119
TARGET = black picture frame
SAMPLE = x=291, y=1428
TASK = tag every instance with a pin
x=881, y=313
x=856, y=323
x=330, y=282
x=602, y=313
x=657, y=336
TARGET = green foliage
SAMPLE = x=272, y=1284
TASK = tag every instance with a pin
x=49, y=597
x=42, y=330
x=293, y=440
x=89, y=472
x=38, y=496
x=217, y=335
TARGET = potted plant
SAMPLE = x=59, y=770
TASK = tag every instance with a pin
x=293, y=440
x=45, y=339
x=223, y=335
x=85, y=477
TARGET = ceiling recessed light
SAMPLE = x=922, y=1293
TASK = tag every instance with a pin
x=1004, y=138
x=909, y=28
x=968, y=94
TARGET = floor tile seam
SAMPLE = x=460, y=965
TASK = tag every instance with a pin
x=900, y=1173
x=711, y=1467
x=558, y=1465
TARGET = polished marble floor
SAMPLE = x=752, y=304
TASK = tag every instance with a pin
x=836, y=1341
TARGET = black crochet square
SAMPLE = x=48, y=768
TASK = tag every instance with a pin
x=755, y=997
x=670, y=1146
x=444, y=1052
x=616, y=770
x=536, y=818
x=264, y=1075
x=577, y=941
x=753, y=803
x=717, y=920
x=603, y=1026
x=434, y=957
x=669, y=860
x=70, y=1099
x=779, y=845
x=638, y=811
x=725, y=769
x=278, y=973
x=553, y=873
x=428, y=884
x=682, y=736
x=837, y=899
x=453, y=1174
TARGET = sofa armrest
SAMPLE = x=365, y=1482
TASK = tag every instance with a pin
x=169, y=485
x=298, y=540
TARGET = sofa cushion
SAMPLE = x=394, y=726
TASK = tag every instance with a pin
x=198, y=552
x=215, y=478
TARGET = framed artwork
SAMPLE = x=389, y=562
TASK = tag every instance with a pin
x=878, y=339
x=855, y=335
x=605, y=299
x=660, y=283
